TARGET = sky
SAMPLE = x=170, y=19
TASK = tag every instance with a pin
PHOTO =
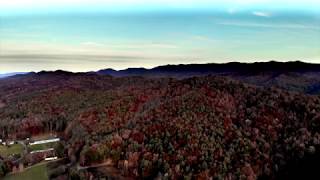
x=88, y=35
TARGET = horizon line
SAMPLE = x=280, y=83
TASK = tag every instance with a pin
x=136, y=67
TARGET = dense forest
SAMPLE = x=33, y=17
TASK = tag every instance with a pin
x=167, y=128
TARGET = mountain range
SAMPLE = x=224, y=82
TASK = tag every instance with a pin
x=185, y=70
x=220, y=121
x=194, y=128
x=294, y=76
x=10, y=74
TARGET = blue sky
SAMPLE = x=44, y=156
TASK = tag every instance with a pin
x=90, y=35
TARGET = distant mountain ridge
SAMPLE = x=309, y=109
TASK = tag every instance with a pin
x=199, y=69
x=294, y=76
x=11, y=74
x=213, y=68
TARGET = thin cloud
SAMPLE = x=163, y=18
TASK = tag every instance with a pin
x=232, y=10
x=54, y=58
x=94, y=44
x=261, y=14
x=140, y=45
x=200, y=37
x=262, y=25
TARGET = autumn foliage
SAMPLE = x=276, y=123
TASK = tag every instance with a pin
x=192, y=128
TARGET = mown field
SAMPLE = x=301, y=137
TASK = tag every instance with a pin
x=13, y=149
x=36, y=172
x=37, y=147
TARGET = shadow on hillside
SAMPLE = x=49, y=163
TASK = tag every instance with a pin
x=305, y=168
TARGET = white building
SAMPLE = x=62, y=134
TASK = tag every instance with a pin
x=40, y=151
x=45, y=141
x=11, y=143
x=51, y=158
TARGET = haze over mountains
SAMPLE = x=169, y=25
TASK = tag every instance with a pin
x=10, y=74
x=298, y=76
x=295, y=76
x=213, y=68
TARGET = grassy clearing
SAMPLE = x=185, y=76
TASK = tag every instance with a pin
x=37, y=147
x=13, y=149
x=36, y=172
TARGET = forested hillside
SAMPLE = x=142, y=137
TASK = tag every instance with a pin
x=168, y=128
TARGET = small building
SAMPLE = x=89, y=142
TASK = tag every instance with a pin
x=45, y=141
x=51, y=158
x=10, y=143
x=42, y=151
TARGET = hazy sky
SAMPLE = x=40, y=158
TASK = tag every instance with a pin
x=83, y=35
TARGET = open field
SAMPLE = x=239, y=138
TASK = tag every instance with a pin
x=37, y=147
x=13, y=149
x=36, y=172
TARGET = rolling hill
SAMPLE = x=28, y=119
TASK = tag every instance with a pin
x=165, y=127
